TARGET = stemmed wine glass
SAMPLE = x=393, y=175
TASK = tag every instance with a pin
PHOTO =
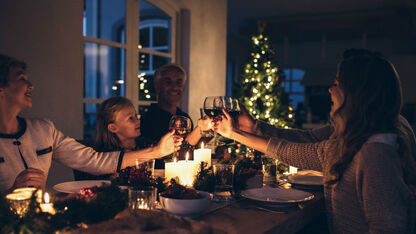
x=235, y=110
x=181, y=125
x=213, y=106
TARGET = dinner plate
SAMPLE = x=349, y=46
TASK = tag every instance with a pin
x=306, y=178
x=277, y=195
x=76, y=186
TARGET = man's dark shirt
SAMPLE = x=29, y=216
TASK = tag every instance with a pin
x=155, y=123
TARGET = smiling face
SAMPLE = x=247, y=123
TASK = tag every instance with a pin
x=126, y=124
x=18, y=91
x=170, y=87
x=337, y=96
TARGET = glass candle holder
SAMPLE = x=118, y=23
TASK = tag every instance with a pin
x=19, y=200
x=142, y=199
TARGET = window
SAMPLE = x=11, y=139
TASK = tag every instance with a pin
x=122, y=50
x=293, y=85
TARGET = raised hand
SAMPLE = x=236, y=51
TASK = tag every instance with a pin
x=31, y=177
x=245, y=121
x=169, y=143
x=205, y=124
x=224, y=126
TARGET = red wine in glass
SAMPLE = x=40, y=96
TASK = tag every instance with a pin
x=180, y=132
x=213, y=113
x=234, y=114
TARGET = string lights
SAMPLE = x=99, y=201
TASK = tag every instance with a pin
x=262, y=93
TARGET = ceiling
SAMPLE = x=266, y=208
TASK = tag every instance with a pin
x=335, y=18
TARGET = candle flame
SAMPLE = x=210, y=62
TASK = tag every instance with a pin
x=47, y=198
x=202, y=145
x=174, y=159
x=187, y=156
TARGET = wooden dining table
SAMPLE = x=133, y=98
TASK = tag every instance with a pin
x=245, y=216
x=238, y=216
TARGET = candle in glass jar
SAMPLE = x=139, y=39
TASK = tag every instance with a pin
x=202, y=155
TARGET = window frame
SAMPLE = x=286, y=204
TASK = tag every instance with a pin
x=132, y=47
x=289, y=80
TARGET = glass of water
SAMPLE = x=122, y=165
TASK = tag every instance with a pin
x=224, y=177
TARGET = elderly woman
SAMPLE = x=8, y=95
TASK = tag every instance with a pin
x=27, y=145
x=368, y=161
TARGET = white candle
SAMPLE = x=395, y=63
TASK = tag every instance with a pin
x=202, y=155
x=170, y=170
x=185, y=170
x=47, y=206
x=293, y=170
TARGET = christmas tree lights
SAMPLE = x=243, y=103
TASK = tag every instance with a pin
x=261, y=90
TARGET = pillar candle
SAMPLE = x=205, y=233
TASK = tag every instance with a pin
x=202, y=154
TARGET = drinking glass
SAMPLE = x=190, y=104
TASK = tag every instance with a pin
x=269, y=167
x=208, y=133
x=224, y=177
x=235, y=110
x=142, y=199
x=181, y=125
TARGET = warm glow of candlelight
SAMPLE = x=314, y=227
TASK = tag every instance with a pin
x=187, y=156
x=202, y=155
x=47, y=206
x=174, y=159
x=46, y=198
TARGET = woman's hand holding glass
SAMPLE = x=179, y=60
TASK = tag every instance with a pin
x=224, y=125
x=169, y=143
x=205, y=124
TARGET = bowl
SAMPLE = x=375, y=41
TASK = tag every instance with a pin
x=186, y=207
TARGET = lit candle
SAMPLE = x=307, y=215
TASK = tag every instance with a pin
x=202, y=154
x=47, y=206
x=293, y=170
x=137, y=163
x=170, y=169
x=185, y=170
x=19, y=202
x=188, y=170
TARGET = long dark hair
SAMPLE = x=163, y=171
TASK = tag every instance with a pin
x=104, y=139
x=372, y=104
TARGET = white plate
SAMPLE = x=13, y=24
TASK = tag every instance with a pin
x=277, y=195
x=76, y=186
x=307, y=177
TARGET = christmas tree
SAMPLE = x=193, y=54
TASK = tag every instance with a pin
x=260, y=88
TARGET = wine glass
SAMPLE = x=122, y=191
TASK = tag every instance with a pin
x=181, y=125
x=213, y=106
x=235, y=110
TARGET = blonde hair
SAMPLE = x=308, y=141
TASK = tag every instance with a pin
x=104, y=139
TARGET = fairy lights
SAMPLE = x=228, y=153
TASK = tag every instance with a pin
x=266, y=99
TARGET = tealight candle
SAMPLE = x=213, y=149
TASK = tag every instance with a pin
x=19, y=202
x=202, y=155
x=293, y=170
x=47, y=206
